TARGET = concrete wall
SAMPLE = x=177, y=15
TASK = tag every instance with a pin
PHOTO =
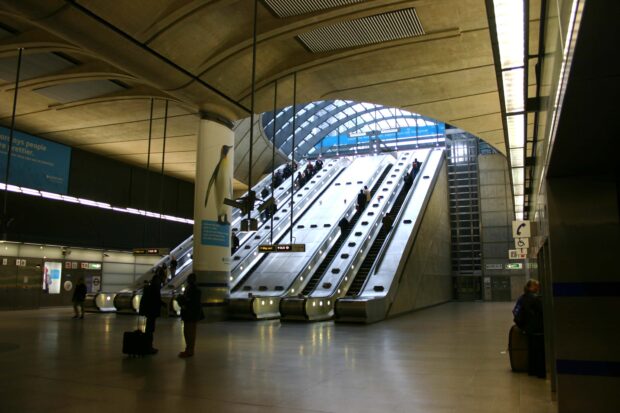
x=427, y=276
x=496, y=215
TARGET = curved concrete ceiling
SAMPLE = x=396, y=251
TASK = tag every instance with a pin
x=198, y=55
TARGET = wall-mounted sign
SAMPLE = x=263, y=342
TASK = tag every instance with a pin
x=68, y=285
x=74, y=265
x=95, y=284
x=521, y=229
x=517, y=254
x=51, y=277
x=522, y=243
x=5, y=261
x=35, y=163
x=68, y=265
x=514, y=266
x=494, y=266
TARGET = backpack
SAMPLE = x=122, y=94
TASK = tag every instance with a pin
x=517, y=313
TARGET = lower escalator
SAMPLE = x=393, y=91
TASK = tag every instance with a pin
x=329, y=257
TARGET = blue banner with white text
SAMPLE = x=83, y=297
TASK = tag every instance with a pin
x=35, y=162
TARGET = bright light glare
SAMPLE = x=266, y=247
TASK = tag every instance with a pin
x=513, y=81
x=516, y=157
x=517, y=176
x=516, y=130
x=510, y=26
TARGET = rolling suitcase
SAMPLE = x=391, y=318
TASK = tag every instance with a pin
x=517, y=349
x=135, y=343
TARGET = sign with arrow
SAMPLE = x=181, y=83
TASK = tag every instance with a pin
x=521, y=229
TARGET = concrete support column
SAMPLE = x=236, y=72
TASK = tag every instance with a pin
x=584, y=241
x=214, y=174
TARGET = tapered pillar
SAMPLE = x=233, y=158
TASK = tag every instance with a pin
x=214, y=174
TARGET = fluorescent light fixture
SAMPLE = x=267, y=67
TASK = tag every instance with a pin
x=29, y=191
x=519, y=189
x=510, y=26
x=519, y=201
x=357, y=134
x=513, y=81
x=516, y=130
x=516, y=157
x=394, y=130
x=518, y=176
x=50, y=195
x=14, y=188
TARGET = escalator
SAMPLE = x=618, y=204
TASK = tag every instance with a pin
x=320, y=271
x=375, y=248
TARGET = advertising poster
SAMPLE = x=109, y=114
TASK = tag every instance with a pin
x=51, y=277
x=35, y=163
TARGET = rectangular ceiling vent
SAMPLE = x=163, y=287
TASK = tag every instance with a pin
x=379, y=28
x=290, y=8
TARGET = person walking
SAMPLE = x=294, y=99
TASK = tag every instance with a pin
x=150, y=306
x=528, y=316
x=191, y=314
x=79, y=296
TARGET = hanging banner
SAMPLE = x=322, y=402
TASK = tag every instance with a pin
x=52, y=272
x=35, y=163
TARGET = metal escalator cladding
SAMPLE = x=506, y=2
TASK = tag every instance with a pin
x=249, y=273
x=246, y=256
x=320, y=271
x=364, y=269
x=282, y=270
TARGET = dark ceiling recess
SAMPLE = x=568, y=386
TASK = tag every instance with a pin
x=76, y=91
x=33, y=65
x=290, y=8
x=379, y=28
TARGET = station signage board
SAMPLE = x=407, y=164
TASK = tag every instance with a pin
x=151, y=251
x=282, y=248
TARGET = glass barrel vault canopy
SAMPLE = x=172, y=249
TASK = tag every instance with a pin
x=331, y=126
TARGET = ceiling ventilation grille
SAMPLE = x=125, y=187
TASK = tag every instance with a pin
x=361, y=32
x=290, y=8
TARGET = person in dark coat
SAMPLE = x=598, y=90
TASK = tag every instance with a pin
x=361, y=201
x=191, y=314
x=234, y=242
x=79, y=296
x=529, y=317
x=173, y=266
x=150, y=305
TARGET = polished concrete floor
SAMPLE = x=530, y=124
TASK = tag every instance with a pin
x=449, y=358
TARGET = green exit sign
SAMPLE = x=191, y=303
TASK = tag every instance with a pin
x=515, y=266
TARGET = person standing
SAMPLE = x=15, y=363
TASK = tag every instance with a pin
x=191, y=314
x=361, y=201
x=79, y=296
x=173, y=266
x=367, y=194
x=150, y=305
x=234, y=244
x=528, y=316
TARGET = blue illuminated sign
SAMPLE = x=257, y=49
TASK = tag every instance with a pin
x=35, y=163
x=214, y=233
